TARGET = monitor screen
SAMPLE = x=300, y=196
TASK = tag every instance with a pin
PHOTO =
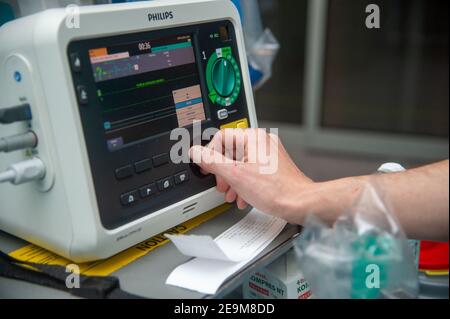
x=132, y=90
x=146, y=88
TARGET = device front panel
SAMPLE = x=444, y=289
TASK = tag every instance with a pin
x=133, y=90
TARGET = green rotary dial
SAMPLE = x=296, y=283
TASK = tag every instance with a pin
x=223, y=77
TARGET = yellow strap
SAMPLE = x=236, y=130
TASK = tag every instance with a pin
x=36, y=254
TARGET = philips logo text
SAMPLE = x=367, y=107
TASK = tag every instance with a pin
x=160, y=16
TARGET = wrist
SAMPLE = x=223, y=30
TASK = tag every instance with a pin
x=326, y=200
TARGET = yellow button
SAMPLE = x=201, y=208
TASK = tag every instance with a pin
x=242, y=123
x=435, y=272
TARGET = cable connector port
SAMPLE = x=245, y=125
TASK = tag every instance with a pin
x=24, y=172
x=14, y=114
x=18, y=142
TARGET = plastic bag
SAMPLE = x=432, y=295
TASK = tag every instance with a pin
x=262, y=46
x=261, y=56
x=364, y=256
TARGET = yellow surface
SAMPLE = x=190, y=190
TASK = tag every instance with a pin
x=435, y=272
x=242, y=123
x=36, y=254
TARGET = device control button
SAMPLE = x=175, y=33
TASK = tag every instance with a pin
x=82, y=94
x=181, y=177
x=165, y=184
x=124, y=172
x=160, y=160
x=242, y=125
x=75, y=62
x=147, y=191
x=222, y=114
x=223, y=77
x=143, y=165
x=129, y=198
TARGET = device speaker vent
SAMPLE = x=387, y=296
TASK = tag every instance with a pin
x=189, y=208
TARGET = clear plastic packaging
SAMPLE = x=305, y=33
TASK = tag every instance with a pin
x=365, y=255
x=262, y=46
x=262, y=54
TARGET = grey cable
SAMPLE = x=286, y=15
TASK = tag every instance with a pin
x=18, y=142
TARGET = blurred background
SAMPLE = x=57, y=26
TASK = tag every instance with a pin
x=344, y=97
x=347, y=98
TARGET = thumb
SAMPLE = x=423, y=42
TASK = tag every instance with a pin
x=211, y=160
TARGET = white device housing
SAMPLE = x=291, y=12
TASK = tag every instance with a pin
x=60, y=213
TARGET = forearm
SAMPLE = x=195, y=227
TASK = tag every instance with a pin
x=326, y=200
x=419, y=198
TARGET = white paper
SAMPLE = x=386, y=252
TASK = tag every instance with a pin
x=217, y=259
x=199, y=246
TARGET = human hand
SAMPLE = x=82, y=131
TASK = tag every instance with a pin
x=252, y=167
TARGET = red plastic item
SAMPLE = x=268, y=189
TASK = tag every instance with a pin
x=433, y=255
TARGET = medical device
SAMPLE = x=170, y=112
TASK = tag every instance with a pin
x=88, y=99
